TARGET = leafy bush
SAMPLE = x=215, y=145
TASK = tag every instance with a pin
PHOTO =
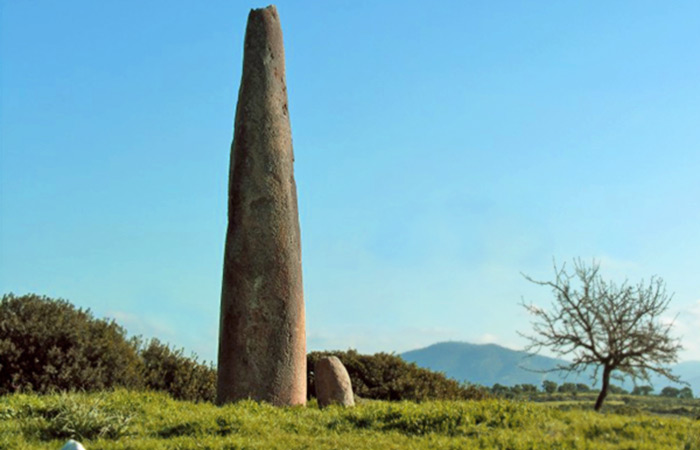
x=642, y=390
x=521, y=391
x=500, y=390
x=49, y=345
x=582, y=387
x=568, y=388
x=686, y=392
x=184, y=378
x=385, y=376
x=669, y=391
x=672, y=392
x=613, y=389
x=549, y=387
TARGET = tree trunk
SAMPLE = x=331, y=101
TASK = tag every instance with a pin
x=604, y=390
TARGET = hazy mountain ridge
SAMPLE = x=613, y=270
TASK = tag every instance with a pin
x=488, y=364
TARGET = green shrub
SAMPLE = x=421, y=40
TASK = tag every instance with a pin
x=385, y=376
x=669, y=391
x=613, y=389
x=642, y=390
x=549, y=387
x=567, y=388
x=48, y=344
x=183, y=378
x=685, y=393
x=582, y=387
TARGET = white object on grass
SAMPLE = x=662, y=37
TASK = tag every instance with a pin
x=73, y=445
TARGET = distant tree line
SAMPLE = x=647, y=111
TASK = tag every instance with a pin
x=672, y=392
x=49, y=345
x=548, y=387
x=551, y=387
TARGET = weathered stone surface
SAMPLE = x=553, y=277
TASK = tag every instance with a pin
x=332, y=382
x=262, y=338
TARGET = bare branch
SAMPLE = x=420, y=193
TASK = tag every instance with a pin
x=598, y=324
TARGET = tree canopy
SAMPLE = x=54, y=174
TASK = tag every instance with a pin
x=597, y=323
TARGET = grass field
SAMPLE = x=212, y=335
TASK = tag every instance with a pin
x=626, y=404
x=132, y=420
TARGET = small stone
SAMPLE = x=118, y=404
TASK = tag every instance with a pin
x=333, y=384
x=73, y=445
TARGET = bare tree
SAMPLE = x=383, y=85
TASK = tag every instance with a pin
x=596, y=323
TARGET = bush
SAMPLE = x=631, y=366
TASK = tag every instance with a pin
x=582, y=387
x=527, y=388
x=613, y=389
x=567, y=388
x=48, y=344
x=686, y=393
x=549, y=387
x=669, y=391
x=519, y=391
x=500, y=390
x=385, y=376
x=184, y=378
x=642, y=390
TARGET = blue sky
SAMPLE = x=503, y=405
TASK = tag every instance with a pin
x=440, y=152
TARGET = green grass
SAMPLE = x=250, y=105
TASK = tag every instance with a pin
x=625, y=404
x=131, y=420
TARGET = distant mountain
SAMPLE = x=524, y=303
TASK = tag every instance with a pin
x=485, y=364
x=488, y=364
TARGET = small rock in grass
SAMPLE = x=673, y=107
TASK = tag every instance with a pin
x=333, y=384
x=73, y=445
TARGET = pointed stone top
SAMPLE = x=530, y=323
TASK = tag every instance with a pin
x=270, y=11
x=264, y=34
x=271, y=8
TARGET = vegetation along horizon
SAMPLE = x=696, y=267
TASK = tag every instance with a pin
x=163, y=399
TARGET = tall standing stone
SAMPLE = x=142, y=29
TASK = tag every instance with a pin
x=262, y=337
